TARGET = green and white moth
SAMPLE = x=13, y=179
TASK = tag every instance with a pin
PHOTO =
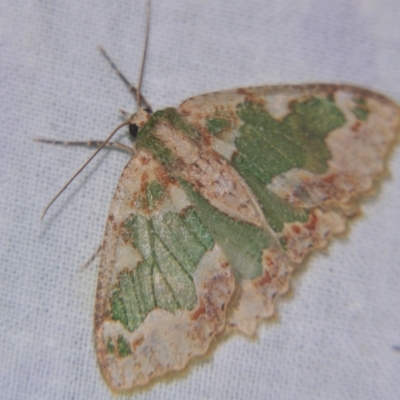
x=223, y=199
x=221, y=202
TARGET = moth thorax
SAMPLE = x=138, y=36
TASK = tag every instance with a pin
x=140, y=118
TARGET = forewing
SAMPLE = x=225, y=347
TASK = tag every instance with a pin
x=308, y=153
x=163, y=282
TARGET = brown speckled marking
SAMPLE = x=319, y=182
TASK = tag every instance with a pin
x=356, y=126
x=163, y=177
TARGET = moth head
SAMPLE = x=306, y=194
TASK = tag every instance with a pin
x=138, y=121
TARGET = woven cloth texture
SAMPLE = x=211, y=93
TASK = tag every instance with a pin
x=334, y=337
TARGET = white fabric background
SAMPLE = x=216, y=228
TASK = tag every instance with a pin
x=333, y=338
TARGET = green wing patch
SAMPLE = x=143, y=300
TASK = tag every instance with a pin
x=268, y=147
x=217, y=125
x=242, y=243
x=277, y=211
x=361, y=110
x=171, y=246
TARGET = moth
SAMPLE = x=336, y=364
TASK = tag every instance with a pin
x=220, y=203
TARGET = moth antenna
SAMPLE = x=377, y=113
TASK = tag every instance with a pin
x=130, y=87
x=144, y=53
x=91, y=259
x=84, y=165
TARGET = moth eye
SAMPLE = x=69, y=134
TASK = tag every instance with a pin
x=133, y=130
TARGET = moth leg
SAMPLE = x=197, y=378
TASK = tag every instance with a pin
x=91, y=259
x=90, y=143
x=125, y=114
